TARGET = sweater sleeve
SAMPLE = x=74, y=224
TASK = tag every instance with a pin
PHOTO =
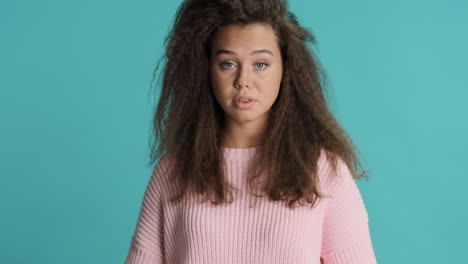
x=147, y=245
x=346, y=238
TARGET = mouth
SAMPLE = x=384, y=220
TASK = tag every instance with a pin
x=244, y=99
x=244, y=103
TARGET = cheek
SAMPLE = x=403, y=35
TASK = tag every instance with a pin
x=215, y=84
x=219, y=92
x=220, y=86
x=277, y=82
x=271, y=88
x=216, y=78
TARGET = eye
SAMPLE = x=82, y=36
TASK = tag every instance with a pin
x=224, y=63
x=263, y=64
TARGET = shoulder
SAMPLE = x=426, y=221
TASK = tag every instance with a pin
x=332, y=171
x=164, y=165
x=160, y=177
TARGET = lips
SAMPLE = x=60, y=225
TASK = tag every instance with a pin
x=243, y=97
x=244, y=105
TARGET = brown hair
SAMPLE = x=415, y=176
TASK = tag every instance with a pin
x=300, y=124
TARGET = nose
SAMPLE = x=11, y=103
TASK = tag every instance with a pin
x=243, y=78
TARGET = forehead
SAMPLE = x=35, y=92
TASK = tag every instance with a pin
x=240, y=38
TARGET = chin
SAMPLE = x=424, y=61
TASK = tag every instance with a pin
x=243, y=118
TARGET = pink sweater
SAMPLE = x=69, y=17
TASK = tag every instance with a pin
x=334, y=232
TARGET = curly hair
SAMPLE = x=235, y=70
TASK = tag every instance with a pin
x=299, y=127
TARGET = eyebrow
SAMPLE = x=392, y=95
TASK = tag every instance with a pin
x=224, y=51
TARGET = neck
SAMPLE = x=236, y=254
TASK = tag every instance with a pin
x=243, y=135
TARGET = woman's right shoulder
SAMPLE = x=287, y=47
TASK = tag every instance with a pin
x=325, y=172
x=164, y=167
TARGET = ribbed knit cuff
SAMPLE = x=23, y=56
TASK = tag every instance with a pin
x=355, y=254
x=137, y=255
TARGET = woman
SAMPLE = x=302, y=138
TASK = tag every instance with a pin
x=242, y=108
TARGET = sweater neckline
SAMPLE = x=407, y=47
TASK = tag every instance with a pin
x=239, y=152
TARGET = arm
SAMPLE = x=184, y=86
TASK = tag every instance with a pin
x=346, y=238
x=146, y=245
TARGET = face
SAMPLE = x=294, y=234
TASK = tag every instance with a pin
x=245, y=61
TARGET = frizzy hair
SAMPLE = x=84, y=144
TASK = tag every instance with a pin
x=188, y=121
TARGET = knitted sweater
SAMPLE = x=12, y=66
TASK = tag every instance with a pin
x=334, y=231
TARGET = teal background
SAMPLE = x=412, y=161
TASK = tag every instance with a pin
x=75, y=115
